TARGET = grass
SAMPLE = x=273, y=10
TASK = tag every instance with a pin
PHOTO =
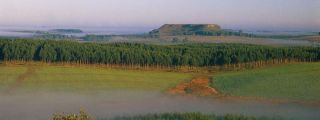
x=299, y=81
x=8, y=75
x=62, y=78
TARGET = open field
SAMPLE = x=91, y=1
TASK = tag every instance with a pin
x=8, y=75
x=310, y=38
x=37, y=91
x=293, y=82
x=296, y=81
x=60, y=78
x=159, y=60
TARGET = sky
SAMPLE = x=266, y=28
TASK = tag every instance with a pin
x=231, y=14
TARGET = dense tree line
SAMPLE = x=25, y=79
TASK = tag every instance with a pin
x=144, y=54
x=223, y=33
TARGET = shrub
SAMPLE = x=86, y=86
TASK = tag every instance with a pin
x=70, y=116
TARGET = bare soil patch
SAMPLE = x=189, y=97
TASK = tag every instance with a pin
x=198, y=86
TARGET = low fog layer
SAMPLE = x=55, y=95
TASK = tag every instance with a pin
x=30, y=106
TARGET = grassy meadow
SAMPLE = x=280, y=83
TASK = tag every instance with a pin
x=298, y=81
x=100, y=90
x=8, y=75
x=63, y=78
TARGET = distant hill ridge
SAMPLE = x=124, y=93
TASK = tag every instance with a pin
x=67, y=30
x=186, y=29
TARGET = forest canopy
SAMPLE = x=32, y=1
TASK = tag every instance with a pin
x=145, y=54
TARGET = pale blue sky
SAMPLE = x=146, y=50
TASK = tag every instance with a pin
x=236, y=14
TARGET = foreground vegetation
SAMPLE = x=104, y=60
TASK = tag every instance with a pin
x=67, y=78
x=64, y=116
x=154, y=55
x=165, y=116
x=299, y=81
x=192, y=116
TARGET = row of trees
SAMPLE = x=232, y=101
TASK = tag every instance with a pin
x=143, y=54
x=224, y=33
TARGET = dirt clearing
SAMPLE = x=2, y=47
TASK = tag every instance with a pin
x=198, y=86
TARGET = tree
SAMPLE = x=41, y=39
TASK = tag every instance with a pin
x=48, y=53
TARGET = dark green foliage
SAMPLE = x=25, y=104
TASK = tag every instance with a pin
x=143, y=54
x=224, y=33
x=81, y=116
x=190, y=116
x=10, y=50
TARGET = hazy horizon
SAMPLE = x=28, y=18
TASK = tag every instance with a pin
x=250, y=14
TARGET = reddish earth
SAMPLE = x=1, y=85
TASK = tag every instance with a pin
x=198, y=86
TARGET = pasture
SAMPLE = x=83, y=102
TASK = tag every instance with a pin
x=24, y=78
x=39, y=90
x=298, y=81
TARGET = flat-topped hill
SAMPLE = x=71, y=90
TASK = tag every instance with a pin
x=186, y=29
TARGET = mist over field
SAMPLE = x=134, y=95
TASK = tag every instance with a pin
x=41, y=105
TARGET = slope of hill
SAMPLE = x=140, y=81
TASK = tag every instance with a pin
x=186, y=29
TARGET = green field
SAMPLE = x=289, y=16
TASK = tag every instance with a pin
x=8, y=76
x=292, y=81
x=299, y=81
x=61, y=78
